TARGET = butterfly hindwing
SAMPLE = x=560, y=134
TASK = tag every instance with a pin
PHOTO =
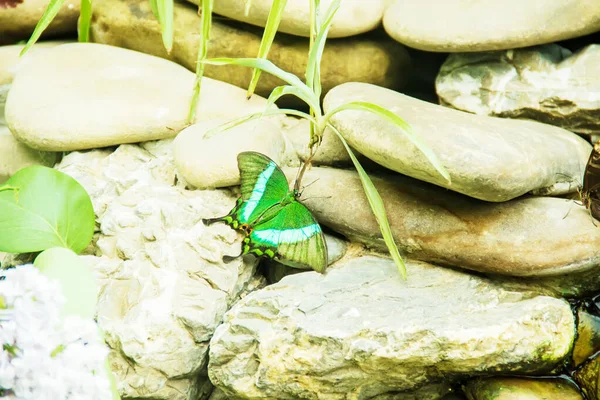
x=294, y=236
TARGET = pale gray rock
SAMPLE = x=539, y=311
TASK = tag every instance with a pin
x=488, y=158
x=163, y=285
x=529, y=236
x=352, y=17
x=466, y=25
x=331, y=151
x=360, y=331
x=15, y=155
x=11, y=61
x=131, y=24
x=91, y=95
x=18, y=23
x=546, y=83
x=208, y=159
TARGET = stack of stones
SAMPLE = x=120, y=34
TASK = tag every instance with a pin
x=499, y=260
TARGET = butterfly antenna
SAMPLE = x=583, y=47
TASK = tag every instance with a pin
x=304, y=187
x=317, y=197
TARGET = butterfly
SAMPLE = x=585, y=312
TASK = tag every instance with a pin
x=275, y=224
x=590, y=192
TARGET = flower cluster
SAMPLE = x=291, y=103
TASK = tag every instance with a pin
x=44, y=356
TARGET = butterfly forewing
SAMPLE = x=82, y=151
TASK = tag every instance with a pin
x=263, y=185
x=296, y=236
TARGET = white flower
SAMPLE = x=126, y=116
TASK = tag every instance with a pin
x=42, y=355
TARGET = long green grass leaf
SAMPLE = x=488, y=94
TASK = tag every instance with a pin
x=250, y=117
x=154, y=8
x=207, y=7
x=165, y=11
x=275, y=15
x=313, y=67
x=377, y=206
x=406, y=129
x=85, y=19
x=281, y=91
x=51, y=11
x=266, y=66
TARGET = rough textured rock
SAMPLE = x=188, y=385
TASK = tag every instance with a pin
x=546, y=83
x=588, y=336
x=163, y=286
x=210, y=162
x=92, y=95
x=352, y=18
x=17, y=23
x=488, y=158
x=131, y=24
x=360, y=331
x=488, y=24
x=530, y=236
x=15, y=155
x=507, y=388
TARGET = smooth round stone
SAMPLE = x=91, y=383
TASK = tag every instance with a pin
x=488, y=158
x=212, y=162
x=588, y=337
x=509, y=388
x=331, y=151
x=353, y=17
x=92, y=95
x=545, y=83
x=488, y=24
x=17, y=23
x=15, y=155
x=587, y=377
x=131, y=24
x=530, y=236
x=10, y=62
x=374, y=334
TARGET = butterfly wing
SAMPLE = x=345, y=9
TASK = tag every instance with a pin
x=292, y=236
x=263, y=185
x=590, y=193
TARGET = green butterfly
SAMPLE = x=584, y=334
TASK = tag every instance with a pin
x=275, y=223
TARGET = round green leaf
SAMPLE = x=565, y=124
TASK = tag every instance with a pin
x=41, y=208
x=76, y=278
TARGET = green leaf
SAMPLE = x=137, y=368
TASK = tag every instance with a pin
x=250, y=117
x=154, y=8
x=77, y=281
x=207, y=7
x=272, y=69
x=313, y=67
x=85, y=19
x=281, y=91
x=51, y=11
x=165, y=12
x=275, y=15
x=45, y=208
x=377, y=206
x=393, y=118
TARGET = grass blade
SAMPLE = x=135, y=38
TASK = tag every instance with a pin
x=406, y=128
x=377, y=206
x=313, y=68
x=247, y=8
x=207, y=7
x=85, y=19
x=281, y=91
x=269, y=33
x=165, y=11
x=154, y=8
x=266, y=113
x=272, y=69
x=51, y=11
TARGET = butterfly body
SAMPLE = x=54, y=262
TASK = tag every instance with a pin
x=275, y=224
